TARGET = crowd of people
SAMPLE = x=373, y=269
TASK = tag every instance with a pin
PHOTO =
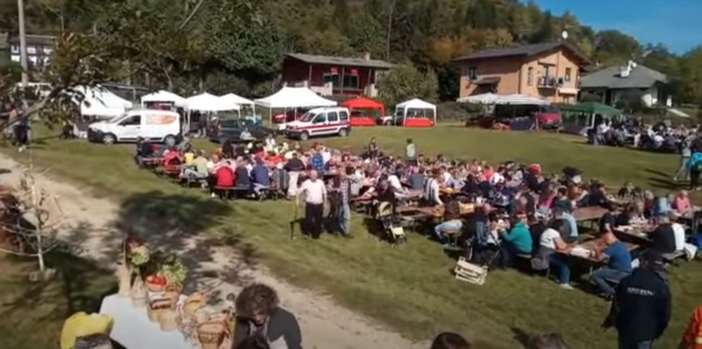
x=517, y=211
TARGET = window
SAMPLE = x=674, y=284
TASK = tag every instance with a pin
x=351, y=81
x=229, y=123
x=134, y=120
x=320, y=119
x=344, y=116
x=333, y=78
x=48, y=50
x=473, y=73
x=567, y=74
x=530, y=76
x=14, y=49
x=32, y=50
x=332, y=116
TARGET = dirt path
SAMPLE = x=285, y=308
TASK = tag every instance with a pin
x=325, y=325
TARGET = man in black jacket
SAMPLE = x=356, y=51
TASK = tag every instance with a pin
x=641, y=307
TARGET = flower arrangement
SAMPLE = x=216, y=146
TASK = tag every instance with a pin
x=136, y=252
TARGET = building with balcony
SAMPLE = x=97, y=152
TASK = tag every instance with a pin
x=328, y=75
x=549, y=71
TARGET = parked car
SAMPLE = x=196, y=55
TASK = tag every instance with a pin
x=320, y=122
x=154, y=125
x=231, y=129
x=547, y=116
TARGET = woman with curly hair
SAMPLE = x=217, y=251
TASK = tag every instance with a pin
x=258, y=314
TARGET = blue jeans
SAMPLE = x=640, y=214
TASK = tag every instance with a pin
x=451, y=225
x=343, y=214
x=624, y=344
x=258, y=188
x=600, y=277
x=560, y=265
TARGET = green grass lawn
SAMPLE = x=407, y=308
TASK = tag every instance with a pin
x=411, y=288
x=33, y=312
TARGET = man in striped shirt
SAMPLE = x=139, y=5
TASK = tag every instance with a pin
x=432, y=189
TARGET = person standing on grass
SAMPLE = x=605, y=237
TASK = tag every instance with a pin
x=694, y=165
x=685, y=154
x=450, y=340
x=411, y=153
x=372, y=149
x=315, y=196
x=641, y=306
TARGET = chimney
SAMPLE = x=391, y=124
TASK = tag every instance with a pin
x=366, y=56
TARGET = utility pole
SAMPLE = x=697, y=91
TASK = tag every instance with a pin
x=23, y=44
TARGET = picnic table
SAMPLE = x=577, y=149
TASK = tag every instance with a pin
x=588, y=213
x=583, y=250
x=637, y=231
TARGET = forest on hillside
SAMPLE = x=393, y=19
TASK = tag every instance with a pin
x=238, y=45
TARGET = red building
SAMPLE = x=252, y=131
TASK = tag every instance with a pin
x=329, y=75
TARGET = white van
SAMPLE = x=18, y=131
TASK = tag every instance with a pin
x=155, y=125
x=320, y=122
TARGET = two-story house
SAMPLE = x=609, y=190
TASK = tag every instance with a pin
x=549, y=71
x=329, y=75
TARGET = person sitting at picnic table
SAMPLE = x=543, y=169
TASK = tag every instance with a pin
x=608, y=220
x=171, y=158
x=551, y=247
x=570, y=224
x=198, y=168
x=598, y=196
x=432, y=189
x=516, y=241
x=561, y=200
x=681, y=204
x=452, y=221
x=222, y=177
x=416, y=179
x=246, y=135
x=260, y=177
x=618, y=264
x=626, y=217
x=243, y=181
x=662, y=206
x=627, y=191
x=663, y=236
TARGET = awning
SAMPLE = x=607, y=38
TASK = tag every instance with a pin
x=568, y=91
x=488, y=81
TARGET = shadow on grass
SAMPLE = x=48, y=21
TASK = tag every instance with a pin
x=189, y=226
x=78, y=285
x=661, y=180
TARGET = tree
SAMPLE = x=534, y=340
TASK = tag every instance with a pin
x=404, y=82
x=691, y=70
x=615, y=48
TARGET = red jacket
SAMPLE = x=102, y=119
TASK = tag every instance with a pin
x=225, y=177
x=692, y=339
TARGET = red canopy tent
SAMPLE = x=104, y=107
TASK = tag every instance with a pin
x=363, y=103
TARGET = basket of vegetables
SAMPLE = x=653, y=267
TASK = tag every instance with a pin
x=174, y=271
x=155, y=283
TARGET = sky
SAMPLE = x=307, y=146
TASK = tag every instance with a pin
x=675, y=23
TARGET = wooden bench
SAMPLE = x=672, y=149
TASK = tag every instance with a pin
x=670, y=257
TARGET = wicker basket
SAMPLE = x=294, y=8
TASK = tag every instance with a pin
x=172, y=292
x=192, y=304
x=139, y=294
x=156, y=307
x=211, y=334
x=167, y=320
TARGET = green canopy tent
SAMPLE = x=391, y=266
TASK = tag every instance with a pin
x=585, y=115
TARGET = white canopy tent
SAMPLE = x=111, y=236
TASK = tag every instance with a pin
x=102, y=103
x=240, y=101
x=415, y=104
x=294, y=97
x=164, y=96
x=209, y=102
x=519, y=99
x=485, y=98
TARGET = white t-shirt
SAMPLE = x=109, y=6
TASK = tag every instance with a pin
x=496, y=178
x=679, y=232
x=395, y=182
x=447, y=177
x=548, y=238
x=314, y=191
x=326, y=156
